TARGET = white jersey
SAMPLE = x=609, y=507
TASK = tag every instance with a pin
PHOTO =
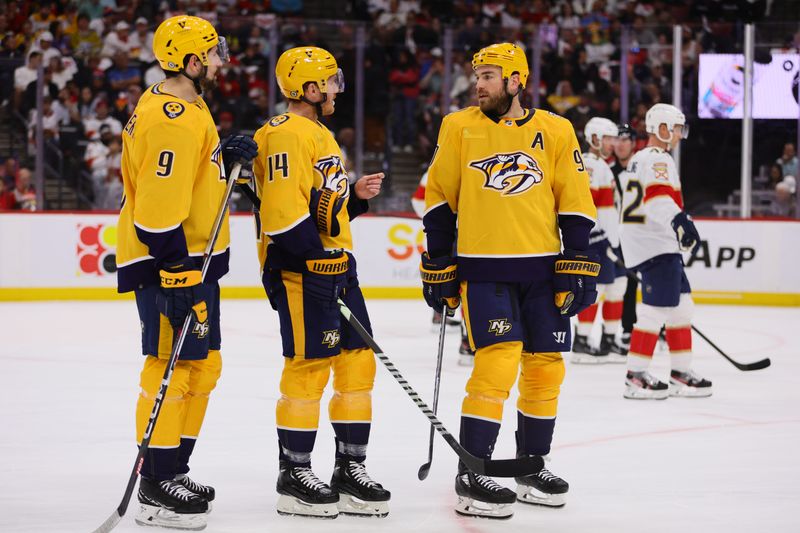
x=418, y=199
x=651, y=197
x=601, y=182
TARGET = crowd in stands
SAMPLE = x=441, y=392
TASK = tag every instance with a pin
x=97, y=59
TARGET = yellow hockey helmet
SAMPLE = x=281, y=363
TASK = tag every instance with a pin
x=298, y=66
x=509, y=57
x=182, y=35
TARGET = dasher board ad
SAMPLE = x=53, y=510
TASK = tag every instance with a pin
x=775, y=86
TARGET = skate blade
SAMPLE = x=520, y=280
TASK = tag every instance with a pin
x=635, y=393
x=291, y=506
x=678, y=390
x=466, y=360
x=496, y=511
x=578, y=358
x=616, y=358
x=530, y=495
x=350, y=505
x=151, y=515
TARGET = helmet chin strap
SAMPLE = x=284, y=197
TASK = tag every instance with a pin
x=196, y=81
x=668, y=140
x=317, y=105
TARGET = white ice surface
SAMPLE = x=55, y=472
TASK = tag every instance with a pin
x=69, y=381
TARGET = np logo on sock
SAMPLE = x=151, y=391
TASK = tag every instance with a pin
x=499, y=326
x=331, y=338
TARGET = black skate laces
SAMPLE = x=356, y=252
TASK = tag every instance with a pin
x=359, y=473
x=176, y=490
x=307, y=477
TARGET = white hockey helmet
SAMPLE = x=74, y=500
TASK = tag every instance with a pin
x=601, y=127
x=666, y=114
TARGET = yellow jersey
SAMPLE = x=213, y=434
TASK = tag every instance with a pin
x=296, y=154
x=174, y=183
x=509, y=185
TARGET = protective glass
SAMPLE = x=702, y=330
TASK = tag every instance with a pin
x=222, y=50
x=336, y=82
x=685, y=131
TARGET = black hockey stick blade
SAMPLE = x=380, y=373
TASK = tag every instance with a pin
x=521, y=466
x=744, y=367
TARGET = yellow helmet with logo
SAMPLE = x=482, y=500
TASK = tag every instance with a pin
x=182, y=35
x=509, y=57
x=298, y=66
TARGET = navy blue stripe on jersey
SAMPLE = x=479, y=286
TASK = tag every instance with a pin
x=164, y=247
x=575, y=231
x=144, y=273
x=440, y=228
x=299, y=240
x=355, y=205
x=506, y=269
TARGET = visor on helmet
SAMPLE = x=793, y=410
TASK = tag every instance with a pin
x=336, y=82
x=222, y=50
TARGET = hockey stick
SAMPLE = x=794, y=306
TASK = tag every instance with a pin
x=744, y=367
x=521, y=466
x=119, y=512
x=424, y=469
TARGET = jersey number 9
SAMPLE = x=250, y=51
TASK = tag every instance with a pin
x=165, y=161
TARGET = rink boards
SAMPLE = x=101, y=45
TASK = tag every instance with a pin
x=53, y=256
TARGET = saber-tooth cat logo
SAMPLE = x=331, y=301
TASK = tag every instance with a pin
x=511, y=174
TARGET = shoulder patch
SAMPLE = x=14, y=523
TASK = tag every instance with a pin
x=660, y=170
x=277, y=121
x=173, y=109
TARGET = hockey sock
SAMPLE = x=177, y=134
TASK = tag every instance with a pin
x=478, y=436
x=680, y=348
x=539, y=388
x=203, y=378
x=586, y=320
x=643, y=344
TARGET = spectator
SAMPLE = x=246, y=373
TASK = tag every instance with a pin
x=143, y=42
x=225, y=125
x=91, y=126
x=580, y=114
x=119, y=41
x=44, y=45
x=567, y=19
x=7, y=198
x=41, y=19
x=61, y=41
x=643, y=35
x=25, y=193
x=92, y=8
x=404, y=78
x=25, y=74
x=96, y=159
x=62, y=70
x=49, y=89
x=122, y=74
x=563, y=99
x=468, y=39
x=85, y=41
x=775, y=175
x=788, y=160
x=392, y=19
x=784, y=203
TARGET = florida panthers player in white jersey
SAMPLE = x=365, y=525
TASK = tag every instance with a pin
x=601, y=134
x=654, y=231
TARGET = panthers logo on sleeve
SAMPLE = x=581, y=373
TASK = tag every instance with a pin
x=333, y=175
x=511, y=174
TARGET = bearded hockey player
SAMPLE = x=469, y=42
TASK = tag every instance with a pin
x=655, y=230
x=514, y=182
x=307, y=263
x=601, y=135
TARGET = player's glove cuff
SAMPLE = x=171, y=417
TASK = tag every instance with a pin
x=324, y=207
x=180, y=274
x=575, y=281
x=439, y=281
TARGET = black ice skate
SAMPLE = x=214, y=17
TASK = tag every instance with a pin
x=585, y=354
x=480, y=496
x=542, y=488
x=436, y=321
x=169, y=504
x=466, y=357
x=358, y=493
x=644, y=386
x=617, y=352
x=204, y=491
x=689, y=385
x=302, y=493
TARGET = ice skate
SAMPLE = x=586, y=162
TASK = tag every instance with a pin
x=169, y=504
x=302, y=493
x=688, y=385
x=585, y=354
x=358, y=493
x=542, y=488
x=480, y=496
x=436, y=321
x=617, y=353
x=204, y=491
x=644, y=386
x=466, y=357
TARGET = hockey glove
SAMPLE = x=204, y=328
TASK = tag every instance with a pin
x=238, y=149
x=182, y=292
x=688, y=238
x=325, y=275
x=439, y=281
x=574, y=282
x=324, y=207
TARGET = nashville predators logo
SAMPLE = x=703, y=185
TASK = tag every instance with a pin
x=331, y=338
x=173, y=109
x=201, y=329
x=277, y=121
x=499, y=326
x=511, y=174
x=334, y=176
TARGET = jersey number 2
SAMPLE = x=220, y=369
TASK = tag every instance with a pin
x=629, y=215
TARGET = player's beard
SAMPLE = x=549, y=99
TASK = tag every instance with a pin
x=207, y=84
x=497, y=105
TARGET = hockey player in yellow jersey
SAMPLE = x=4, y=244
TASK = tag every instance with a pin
x=306, y=253
x=511, y=179
x=173, y=171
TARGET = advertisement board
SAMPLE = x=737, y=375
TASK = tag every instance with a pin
x=72, y=256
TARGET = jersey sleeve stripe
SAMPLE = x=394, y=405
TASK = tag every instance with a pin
x=431, y=208
x=156, y=230
x=654, y=191
x=603, y=197
x=287, y=228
